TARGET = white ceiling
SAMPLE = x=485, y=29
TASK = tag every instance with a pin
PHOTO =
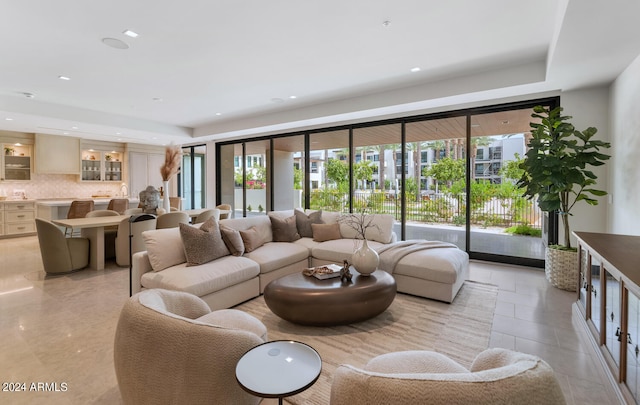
x=244, y=59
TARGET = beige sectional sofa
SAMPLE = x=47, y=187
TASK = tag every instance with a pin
x=436, y=271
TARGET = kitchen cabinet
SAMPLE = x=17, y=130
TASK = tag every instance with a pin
x=17, y=218
x=144, y=169
x=101, y=166
x=57, y=154
x=16, y=162
x=608, y=302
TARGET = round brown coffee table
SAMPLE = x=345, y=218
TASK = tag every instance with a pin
x=306, y=300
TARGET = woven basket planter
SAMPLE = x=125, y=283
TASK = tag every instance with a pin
x=561, y=268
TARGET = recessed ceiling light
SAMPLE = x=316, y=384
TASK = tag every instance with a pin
x=218, y=113
x=118, y=133
x=115, y=43
x=29, y=95
x=293, y=97
x=130, y=33
x=65, y=133
x=8, y=119
x=415, y=69
x=74, y=127
x=64, y=77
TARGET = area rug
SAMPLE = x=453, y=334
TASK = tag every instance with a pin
x=459, y=330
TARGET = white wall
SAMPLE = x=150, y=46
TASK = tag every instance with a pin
x=590, y=108
x=624, y=214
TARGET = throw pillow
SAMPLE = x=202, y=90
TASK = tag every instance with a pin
x=252, y=239
x=202, y=245
x=284, y=230
x=233, y=240
x=304, y=221
x=164, y=247
x=325, y=232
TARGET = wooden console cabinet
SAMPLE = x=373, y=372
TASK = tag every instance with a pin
x=609, y=302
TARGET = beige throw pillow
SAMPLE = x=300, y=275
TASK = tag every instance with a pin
x=233, y=240
x=164, y=247
x=304, y=221
x=325, y=232
x=284, y=229
x=252, y=239
x=202, y=245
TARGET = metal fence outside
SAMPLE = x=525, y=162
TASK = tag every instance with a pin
x=436, y=208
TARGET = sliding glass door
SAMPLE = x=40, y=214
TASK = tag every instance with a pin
x=436, y=181
x=502, y=222
x=446, y=176
x=192, y=177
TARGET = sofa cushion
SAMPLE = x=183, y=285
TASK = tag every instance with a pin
x=233, y=240
x=235, y=319
x=261, y=222
x=164, y=247
x=325, y=232
x=340, y=249
x=381, y=231
x=251, y=239
x=203, y=245
x=275, y=255
x=201, y=280
x=284, y=229
x=304, y=221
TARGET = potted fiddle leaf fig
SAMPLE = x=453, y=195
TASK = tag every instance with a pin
x=557, y=171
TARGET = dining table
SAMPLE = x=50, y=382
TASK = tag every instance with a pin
x=93, y=229
x=193, y=214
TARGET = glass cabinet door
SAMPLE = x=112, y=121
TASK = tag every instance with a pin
x=17, y=162
x=112, y=166
x=584, y=280
x=633, y=350
x=596, y=293
x=613, y=331
x=91, y=166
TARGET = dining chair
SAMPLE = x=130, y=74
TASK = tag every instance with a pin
x=204, y=215
x=175, y=202
x=110, y=232
x=79, y=209
x=172, y=219
x=59, y=253
x=133, y=211
x=118, y=204
x=126, y=245
x=224, y=207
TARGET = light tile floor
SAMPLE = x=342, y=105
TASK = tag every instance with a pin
x=60, y=329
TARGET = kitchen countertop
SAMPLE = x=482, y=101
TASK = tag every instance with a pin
x=61, y=202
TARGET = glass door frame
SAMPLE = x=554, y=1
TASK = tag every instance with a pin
x=550, y=233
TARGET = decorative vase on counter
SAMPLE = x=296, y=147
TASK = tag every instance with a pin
x=166, y=204
x=365, y=260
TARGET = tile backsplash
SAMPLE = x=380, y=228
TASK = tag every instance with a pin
x=44, y=186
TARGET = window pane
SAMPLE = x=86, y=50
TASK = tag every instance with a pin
x=330, y=183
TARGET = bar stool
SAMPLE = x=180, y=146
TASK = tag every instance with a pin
x=79, y=209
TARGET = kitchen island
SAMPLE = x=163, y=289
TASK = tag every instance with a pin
x=58, y=208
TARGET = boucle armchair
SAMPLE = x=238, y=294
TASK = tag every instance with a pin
x=171, y=349
x=497, y=376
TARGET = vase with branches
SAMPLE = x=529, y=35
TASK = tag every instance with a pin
x=170, y=167
x=365, y=260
